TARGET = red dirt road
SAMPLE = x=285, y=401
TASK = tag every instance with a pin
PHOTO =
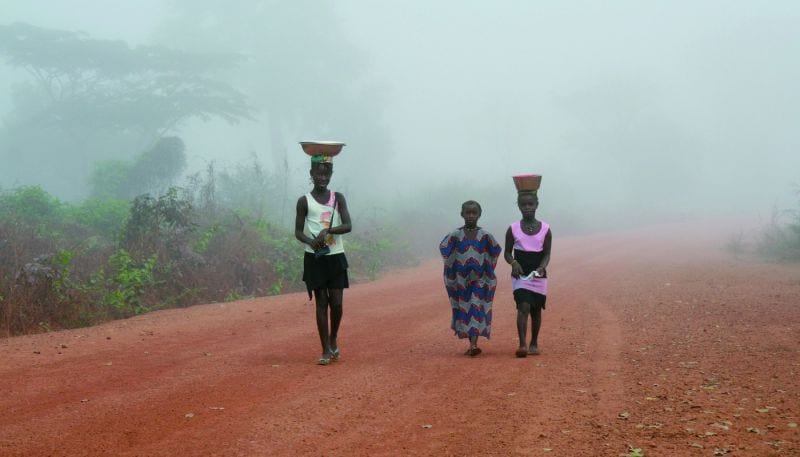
x=649, y=342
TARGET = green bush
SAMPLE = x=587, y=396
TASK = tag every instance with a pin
x=105, y=216
x=109, y=179
x=374, y=250
x=31, y=206
x=204, y=238
x=126, y=283
x=285, y=256
x=151, y=171
x=73, y=264
x=158, y=223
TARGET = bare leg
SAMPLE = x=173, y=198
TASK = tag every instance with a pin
x=321, y=296
x=536, y=323
x=473, y=346
x=523, y=310
x=336, y=298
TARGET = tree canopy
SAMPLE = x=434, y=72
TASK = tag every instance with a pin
x=92, y=99
x=308, y=79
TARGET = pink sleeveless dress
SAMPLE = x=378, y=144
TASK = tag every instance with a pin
x=526, y=248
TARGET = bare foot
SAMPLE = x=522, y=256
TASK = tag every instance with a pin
x=521, y=352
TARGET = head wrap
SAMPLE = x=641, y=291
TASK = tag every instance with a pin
x=321, y=158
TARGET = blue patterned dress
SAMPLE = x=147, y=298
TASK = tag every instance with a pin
x=470, y=280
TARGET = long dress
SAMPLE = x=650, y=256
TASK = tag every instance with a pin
x=470, y=280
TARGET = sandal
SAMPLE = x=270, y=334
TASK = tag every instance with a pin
x=533, y=350
x=335, y=355
x=521, y=352
x=324, y=361
x=473, y=351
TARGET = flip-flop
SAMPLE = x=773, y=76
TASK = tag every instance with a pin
x=335, y=354
x=521, y=353
x=323, y=361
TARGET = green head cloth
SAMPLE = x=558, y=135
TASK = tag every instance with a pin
x=321, y=158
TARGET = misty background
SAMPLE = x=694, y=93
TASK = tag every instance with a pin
x=633, y=112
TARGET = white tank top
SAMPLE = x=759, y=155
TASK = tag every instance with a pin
x=318, y=218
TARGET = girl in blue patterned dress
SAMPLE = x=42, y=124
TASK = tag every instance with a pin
x=470, y=256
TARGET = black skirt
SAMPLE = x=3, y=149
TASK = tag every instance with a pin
x=326, y=272
x=530, y=297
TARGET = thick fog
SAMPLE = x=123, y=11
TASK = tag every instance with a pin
x=633, y=112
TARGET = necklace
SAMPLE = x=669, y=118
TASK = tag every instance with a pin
x=530, y=227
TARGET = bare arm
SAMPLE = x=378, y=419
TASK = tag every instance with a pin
x=548, y=240
x=516, y=268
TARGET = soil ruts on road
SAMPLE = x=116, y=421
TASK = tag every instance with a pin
x=652, y=339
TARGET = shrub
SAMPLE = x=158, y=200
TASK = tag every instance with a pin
x=781, y=241
x=159, y=223
x=64, y=265
x=374, y=250
x=32, y=207
x=126, y=284
x=105, y=217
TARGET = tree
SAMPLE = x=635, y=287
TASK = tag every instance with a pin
x=308, y=80
x=92, y=99
x=152, y=171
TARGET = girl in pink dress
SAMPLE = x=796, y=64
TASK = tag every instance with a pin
x=528, y=251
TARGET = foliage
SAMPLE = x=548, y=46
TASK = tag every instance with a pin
x=635, y=452
x=92, y=100
x=105, y=217
x=780, y=238
x=153, y=171
x=157, y=222
x=780, y=241
x=66, y=265
x=285, y=256
x=127, y=283
x=109, y=178
x=321, y=75
x=29, y=205
x=61, y=261
x=375, y=250
x=209, y=233
x=250, y=188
